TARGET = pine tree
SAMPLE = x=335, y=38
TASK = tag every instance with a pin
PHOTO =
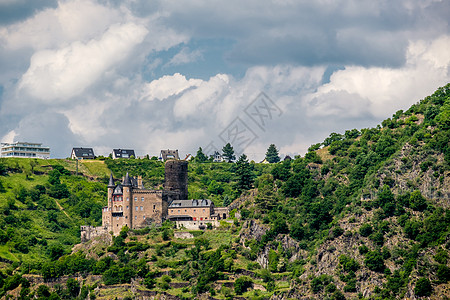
x=228, y=152
x=244, y=174
x=201, y=157
x=272, y=154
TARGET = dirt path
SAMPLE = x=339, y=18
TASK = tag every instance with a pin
x=62, y=209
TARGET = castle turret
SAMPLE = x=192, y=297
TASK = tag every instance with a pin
x=106, y=218
x=176, y=178
x=128, y=201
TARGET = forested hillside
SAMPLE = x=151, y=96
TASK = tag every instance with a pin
x=362, y=215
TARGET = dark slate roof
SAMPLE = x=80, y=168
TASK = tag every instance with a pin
x=118, y=190
x=83, y=152
x=123, y=153
x=169, y=154
x=127, y=180
x=111, y=181
x=190, y=203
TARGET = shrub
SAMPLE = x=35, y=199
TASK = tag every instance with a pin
x=365, y=230
x=374, y=261
x=423, y=287
x=242, y=284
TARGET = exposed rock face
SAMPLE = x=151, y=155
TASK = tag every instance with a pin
x=251, y=229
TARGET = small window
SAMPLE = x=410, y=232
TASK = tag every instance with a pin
x=143, y=217
x=127, y=206
x=185, y=210
x=137, y=208
x=178, y=210
x=135, y=198
x=142, y=199
x=135, y=217
x=110, y=199
x=154, y=206
x=142, y=208
x=194, y=209
x=128, y=199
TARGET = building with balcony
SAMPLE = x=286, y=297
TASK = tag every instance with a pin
x=24, y=149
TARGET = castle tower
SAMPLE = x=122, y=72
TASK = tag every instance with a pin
x=127, y=201
x=106, y=217
x=176, y=178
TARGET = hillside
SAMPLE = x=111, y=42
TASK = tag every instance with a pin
x=363, y=215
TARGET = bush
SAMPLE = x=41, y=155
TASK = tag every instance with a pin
x=423, y=287
x=374, y=261
x=365, y=230
x=242, y=284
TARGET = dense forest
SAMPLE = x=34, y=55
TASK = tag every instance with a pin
x=362, y=215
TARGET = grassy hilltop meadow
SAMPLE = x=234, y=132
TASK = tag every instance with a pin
x=363, y=215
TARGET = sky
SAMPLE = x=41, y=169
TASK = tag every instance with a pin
x=152, y=75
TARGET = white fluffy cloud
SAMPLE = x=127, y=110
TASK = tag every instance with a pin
x=82, y=73
x=67, y=72
x=382, y=91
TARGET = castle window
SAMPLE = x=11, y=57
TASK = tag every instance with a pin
x=203, y=209
x=194, y=209
x=142, y=199
x=143, y=217
x=142, y=208
x=185, y=210
x=137, y=208
x=127, y=206
x=110, y=199
x=178, y=210
x=135, y=217
x=128, y=199
x=154, y=206
x=135, y=199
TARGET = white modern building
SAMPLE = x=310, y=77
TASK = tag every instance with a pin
x=24, y=149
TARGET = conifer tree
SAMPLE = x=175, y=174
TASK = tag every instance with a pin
x=272, y=154
x=244, y=174
x=201, y=157
x=228, y=152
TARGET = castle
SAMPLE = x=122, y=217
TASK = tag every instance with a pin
x=131, y=205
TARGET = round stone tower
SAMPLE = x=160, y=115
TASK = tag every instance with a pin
x=176, y=177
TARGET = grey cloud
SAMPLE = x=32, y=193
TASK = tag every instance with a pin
x=18, y=10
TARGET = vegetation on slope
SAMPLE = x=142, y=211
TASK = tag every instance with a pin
x=364, y=214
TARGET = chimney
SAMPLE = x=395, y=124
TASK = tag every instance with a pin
x=139, y=182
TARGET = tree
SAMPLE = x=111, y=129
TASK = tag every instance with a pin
x=423, y=287
x=244, y=174
x=201, y=157
x=272, y=154
x=228, y=152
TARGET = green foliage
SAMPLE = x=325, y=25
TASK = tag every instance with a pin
x=423, y=287
x=365, y=230
x=374, y=261
x=200, y=157
x=244, y=174
x=228, y=153
x=318, y=283
x=241, y=284
x=272, y=155
x=417, y=201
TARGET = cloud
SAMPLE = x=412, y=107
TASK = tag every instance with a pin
x=185, y=56
x=167, y=86
x=61, y=74
x=87, y=73
x=385, y=90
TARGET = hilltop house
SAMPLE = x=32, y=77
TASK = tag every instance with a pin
x=169, y=154
x=82, y=153
x=123, y=153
